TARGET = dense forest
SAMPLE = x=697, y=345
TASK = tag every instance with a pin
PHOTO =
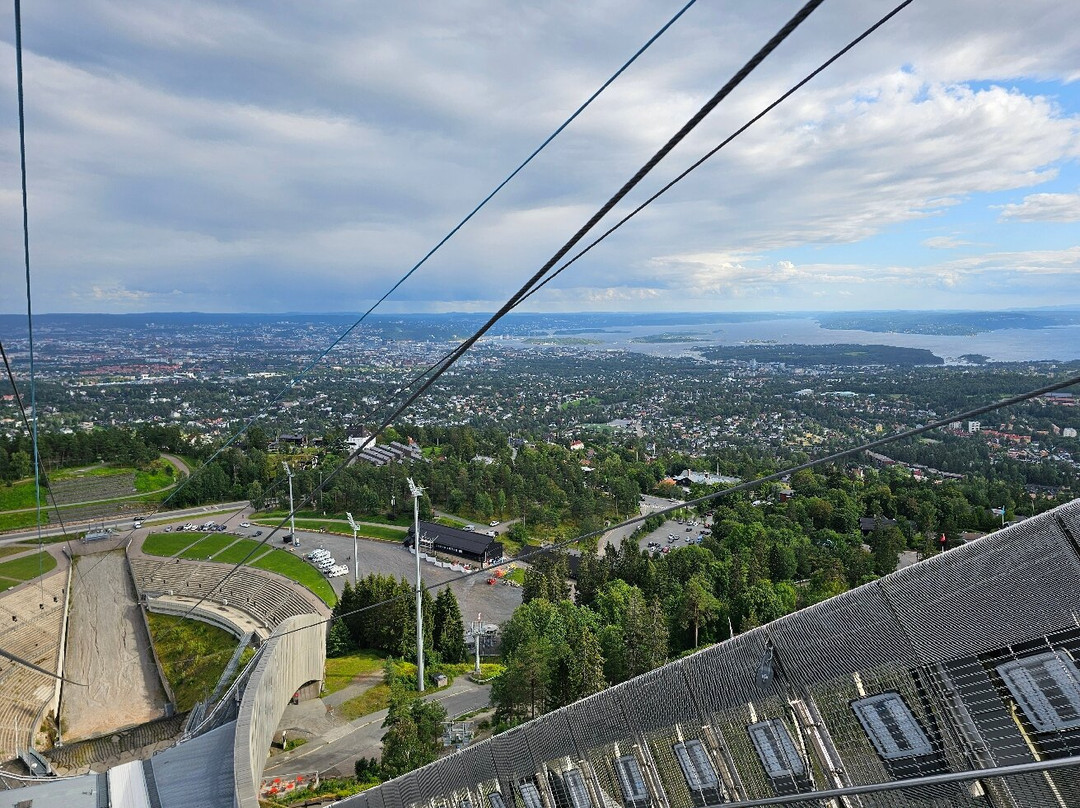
x=633, y=610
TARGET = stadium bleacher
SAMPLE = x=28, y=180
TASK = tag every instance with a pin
x=265, y=596
x=31, y=618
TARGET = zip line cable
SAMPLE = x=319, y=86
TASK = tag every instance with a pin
x=698, y=163
x=785, y=31
x=795, y=88
x=453, y=231
x=745, y=486
x=694, y=166
x=30, y=329
x=26, y=423
x=26, y=262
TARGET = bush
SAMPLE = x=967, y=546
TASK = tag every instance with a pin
x=367, y=770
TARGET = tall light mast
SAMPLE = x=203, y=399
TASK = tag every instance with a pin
x=417, y=492
x=478, y=627
x=355, y=562
x=292, y=511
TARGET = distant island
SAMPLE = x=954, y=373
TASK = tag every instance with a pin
x=559, y=332
x=658, y=339
x=562, y=341
x=953, y=323
x=837, y=355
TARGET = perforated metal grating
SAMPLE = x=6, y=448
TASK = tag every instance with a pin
x=969, y=661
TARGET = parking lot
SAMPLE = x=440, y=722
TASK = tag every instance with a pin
x=672, y=534
x=474, y=594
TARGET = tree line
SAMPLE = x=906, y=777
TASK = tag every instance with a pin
x=379, y=613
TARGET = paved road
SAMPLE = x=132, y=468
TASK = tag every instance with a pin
x=178, y=464
x=123, y=525
x=649, y=504
x=339, y=747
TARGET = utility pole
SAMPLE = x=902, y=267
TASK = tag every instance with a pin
x=355, y=562
x=292, y=511
x=416, y=492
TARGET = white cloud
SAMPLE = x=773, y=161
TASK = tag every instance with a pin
x=1044, y=208
x=944, y=243
x=274, y=158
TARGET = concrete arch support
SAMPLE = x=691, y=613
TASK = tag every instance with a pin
x=292, y=659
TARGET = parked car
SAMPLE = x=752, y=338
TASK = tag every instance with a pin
x=245, y=524
x=493, y=523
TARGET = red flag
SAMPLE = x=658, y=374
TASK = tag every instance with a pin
x=942, y=539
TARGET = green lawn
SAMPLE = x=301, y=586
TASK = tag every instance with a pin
x=279, y=561
x=300, y=571
x=235, y=554
x=367, y=531
x=382, y=533
x=90, y=471
x=11, y=549
x=161, y=474
x=404, y=520
x=14, y=521
x=20, y=495
x=209, y=545
x=193, y=654
x=27, y=567
x=168, y=544
x=73, y=536
x=371, y=700
x=340, y=671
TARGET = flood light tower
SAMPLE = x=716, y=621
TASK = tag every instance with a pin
x=416, y=492
x=292, y=511
x=355, y=528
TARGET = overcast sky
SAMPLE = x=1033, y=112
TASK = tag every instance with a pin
x=272, y=156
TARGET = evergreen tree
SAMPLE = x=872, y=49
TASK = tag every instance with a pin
x=448, y=631
x=585, y=664
x=339, y=641
x=697, y=605
x=521, y=690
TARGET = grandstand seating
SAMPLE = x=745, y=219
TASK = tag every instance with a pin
x=79, y=756
x=265, y=596
x=35, y=637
